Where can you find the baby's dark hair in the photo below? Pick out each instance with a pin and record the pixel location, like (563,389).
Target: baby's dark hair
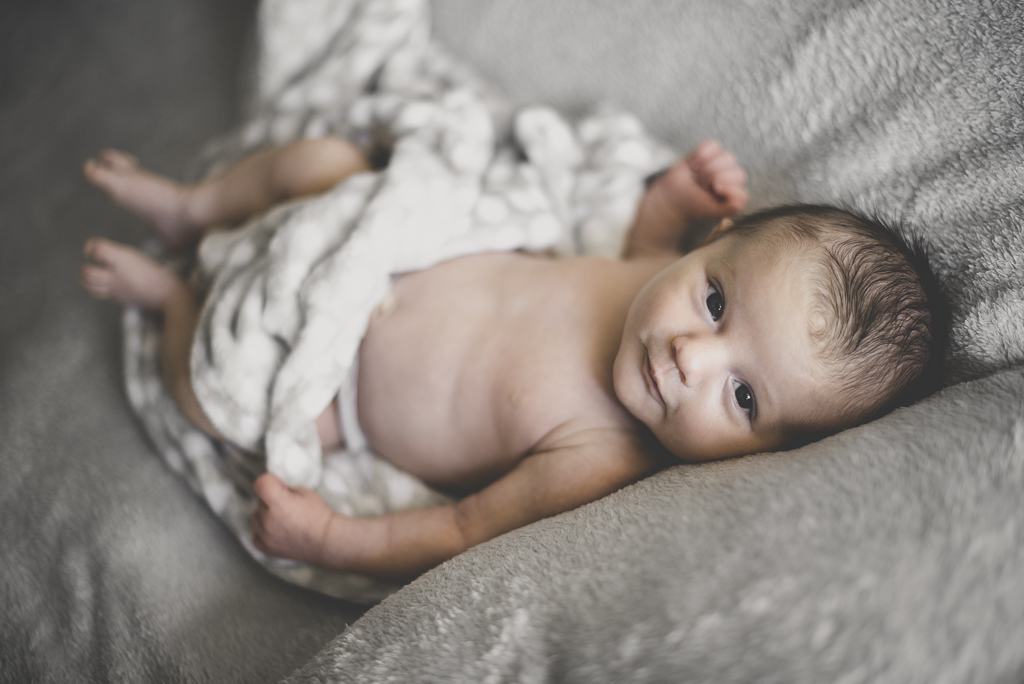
(880,318)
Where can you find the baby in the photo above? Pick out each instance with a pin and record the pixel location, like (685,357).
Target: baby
(534,385)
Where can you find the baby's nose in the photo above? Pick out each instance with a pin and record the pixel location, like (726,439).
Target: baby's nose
(699,357)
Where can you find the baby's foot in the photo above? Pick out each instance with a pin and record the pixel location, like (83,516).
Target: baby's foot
(156,199)
(706,184)
(126,275)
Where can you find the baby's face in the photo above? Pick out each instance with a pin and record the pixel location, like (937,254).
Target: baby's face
(716,356)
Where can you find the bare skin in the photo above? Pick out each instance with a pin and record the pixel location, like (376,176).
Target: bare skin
(124,274)
(181,213)
(490,374)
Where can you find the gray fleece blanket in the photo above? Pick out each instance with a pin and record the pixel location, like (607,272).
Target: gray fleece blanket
(892,552)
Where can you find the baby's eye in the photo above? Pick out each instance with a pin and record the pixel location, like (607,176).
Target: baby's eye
(744,397)
(716,305)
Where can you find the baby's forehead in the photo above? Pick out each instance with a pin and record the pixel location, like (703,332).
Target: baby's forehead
(775,241)
(796,262)
(779,291)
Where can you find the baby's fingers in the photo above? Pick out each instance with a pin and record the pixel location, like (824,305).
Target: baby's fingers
(730,179)
(732,197)
(703,153)
(727,182)
(269,488)
(723,177)
(719,163)
(269,529)
(258,543)
(260,537)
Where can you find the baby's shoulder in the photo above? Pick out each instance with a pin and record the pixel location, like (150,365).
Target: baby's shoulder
(619,452)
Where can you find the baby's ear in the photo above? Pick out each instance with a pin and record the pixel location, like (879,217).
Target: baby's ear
(718,231)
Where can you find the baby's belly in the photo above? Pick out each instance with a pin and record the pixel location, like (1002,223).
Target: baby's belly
(433,371)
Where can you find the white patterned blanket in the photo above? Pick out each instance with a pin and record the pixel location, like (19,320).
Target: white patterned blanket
(291,292)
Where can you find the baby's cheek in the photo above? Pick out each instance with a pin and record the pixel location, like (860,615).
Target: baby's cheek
(673,435)
(620,377)
(695,438)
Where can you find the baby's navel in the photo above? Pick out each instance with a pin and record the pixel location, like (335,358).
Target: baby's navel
(387,305)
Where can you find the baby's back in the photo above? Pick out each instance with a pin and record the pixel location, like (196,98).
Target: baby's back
(475,363)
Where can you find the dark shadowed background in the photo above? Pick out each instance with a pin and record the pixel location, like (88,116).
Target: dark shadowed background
(158,78)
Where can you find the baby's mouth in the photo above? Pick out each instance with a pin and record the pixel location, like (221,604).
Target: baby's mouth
(652,382)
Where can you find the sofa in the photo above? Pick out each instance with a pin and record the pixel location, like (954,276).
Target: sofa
(891,552)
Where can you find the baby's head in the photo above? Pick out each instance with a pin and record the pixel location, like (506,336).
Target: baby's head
(790,324)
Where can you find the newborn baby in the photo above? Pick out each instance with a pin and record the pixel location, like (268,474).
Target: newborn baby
(533,385)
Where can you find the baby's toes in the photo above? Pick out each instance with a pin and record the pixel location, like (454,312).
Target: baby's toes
(89,248)
(117,160)
(97,280)
(99,250)
(94,172)
(103,176)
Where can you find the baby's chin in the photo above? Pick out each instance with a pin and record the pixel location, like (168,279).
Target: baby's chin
(621,384)
(632,394)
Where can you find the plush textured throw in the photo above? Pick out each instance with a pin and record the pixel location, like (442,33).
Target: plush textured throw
(890,553)
(291,292)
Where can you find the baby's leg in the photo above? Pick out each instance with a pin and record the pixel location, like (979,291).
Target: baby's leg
(180,212)
(128,276)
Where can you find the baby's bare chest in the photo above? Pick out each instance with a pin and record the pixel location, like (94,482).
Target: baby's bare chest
(468,366)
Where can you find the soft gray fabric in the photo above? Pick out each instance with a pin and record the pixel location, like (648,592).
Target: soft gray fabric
(891,552)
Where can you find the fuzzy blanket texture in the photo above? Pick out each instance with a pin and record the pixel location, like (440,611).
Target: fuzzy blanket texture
(290,293)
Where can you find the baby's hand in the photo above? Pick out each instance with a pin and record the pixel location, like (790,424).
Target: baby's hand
(291,523)
(708,183)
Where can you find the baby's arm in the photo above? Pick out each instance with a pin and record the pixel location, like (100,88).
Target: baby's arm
(706,184)
(298,524)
